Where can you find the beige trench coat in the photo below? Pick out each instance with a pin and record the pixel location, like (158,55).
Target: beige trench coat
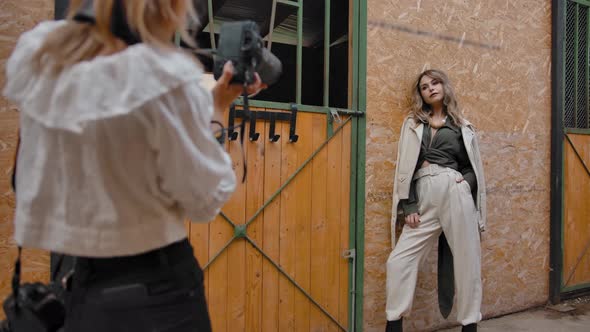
(407,158)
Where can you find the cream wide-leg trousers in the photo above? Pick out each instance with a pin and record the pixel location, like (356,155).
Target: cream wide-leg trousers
(444,206)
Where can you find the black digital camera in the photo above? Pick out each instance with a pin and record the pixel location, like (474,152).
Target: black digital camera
(37,307)
(240,43)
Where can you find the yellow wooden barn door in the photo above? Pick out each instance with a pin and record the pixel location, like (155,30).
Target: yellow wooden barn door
(573,136)
(273,258)
(576,221)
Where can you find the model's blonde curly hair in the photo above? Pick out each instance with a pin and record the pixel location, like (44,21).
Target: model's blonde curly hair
(421,111)
(75,42)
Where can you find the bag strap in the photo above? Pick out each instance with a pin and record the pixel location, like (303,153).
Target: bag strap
(17,264)
(16,276)
(13,176)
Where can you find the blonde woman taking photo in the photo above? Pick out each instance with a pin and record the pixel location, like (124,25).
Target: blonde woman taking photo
(439,189)
(116,150)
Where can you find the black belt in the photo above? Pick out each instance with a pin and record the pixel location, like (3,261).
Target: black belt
(171,255)
(132,280)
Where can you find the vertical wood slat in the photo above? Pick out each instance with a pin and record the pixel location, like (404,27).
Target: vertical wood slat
(318,320)
(236,210)
(576,212)
(199,238)
(334,209)
(271,230)
(287,227)
(224,286)
(343,265)
(220,232)
(302,231)
(254,199)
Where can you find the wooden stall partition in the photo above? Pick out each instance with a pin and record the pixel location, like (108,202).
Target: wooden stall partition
(284,232)
(576,222)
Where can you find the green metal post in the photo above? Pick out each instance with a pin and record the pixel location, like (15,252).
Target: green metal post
(557,104)
(587,60)
(581,2)
(271,28)
(330,120)
(288,2)
(361,154)
(177,39)
(211,23)
(576,63)
(358,155)
(299,51)
(327,53)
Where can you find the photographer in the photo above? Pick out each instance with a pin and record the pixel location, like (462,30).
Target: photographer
(116,150)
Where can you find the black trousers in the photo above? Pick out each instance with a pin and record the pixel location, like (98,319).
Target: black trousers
(159,291)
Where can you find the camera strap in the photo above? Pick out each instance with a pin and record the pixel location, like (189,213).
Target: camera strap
(16,276)
(247,116)
(17,264)
(221,135)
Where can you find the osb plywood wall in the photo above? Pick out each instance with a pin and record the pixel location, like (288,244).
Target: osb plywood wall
(16,17)
(497,53)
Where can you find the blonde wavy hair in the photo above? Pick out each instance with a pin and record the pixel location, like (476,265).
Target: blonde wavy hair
(421,111)
(75,42)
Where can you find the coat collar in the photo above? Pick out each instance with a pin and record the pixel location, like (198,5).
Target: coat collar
(468,133)
(419,129)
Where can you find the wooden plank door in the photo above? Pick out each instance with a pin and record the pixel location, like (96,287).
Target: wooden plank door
(576,222)
(273,258)
(570,178)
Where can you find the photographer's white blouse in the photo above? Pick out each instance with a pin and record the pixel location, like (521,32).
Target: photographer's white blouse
(115,152)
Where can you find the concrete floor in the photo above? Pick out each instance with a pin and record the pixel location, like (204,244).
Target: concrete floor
(575,319)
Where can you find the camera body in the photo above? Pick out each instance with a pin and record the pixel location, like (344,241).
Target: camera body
(240,42)
(36,308)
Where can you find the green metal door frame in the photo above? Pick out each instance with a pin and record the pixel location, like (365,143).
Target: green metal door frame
(558,289)
(358,154)
(358,147)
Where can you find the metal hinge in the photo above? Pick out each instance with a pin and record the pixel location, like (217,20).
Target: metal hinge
(349,254)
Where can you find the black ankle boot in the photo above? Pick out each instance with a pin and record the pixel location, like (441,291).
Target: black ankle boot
(469,328)
(394,326)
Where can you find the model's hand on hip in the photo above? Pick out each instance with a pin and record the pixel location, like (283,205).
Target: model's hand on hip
(413,220)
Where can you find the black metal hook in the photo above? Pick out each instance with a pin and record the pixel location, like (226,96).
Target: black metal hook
(231,134)
(253,134)
(271,135)
(293,124)
(272,117)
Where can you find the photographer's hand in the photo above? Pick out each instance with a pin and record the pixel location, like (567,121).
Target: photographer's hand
(225,93)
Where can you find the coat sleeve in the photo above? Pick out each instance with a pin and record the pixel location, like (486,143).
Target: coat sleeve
(395,196)
(194,169)
(400,146)
(481,183)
